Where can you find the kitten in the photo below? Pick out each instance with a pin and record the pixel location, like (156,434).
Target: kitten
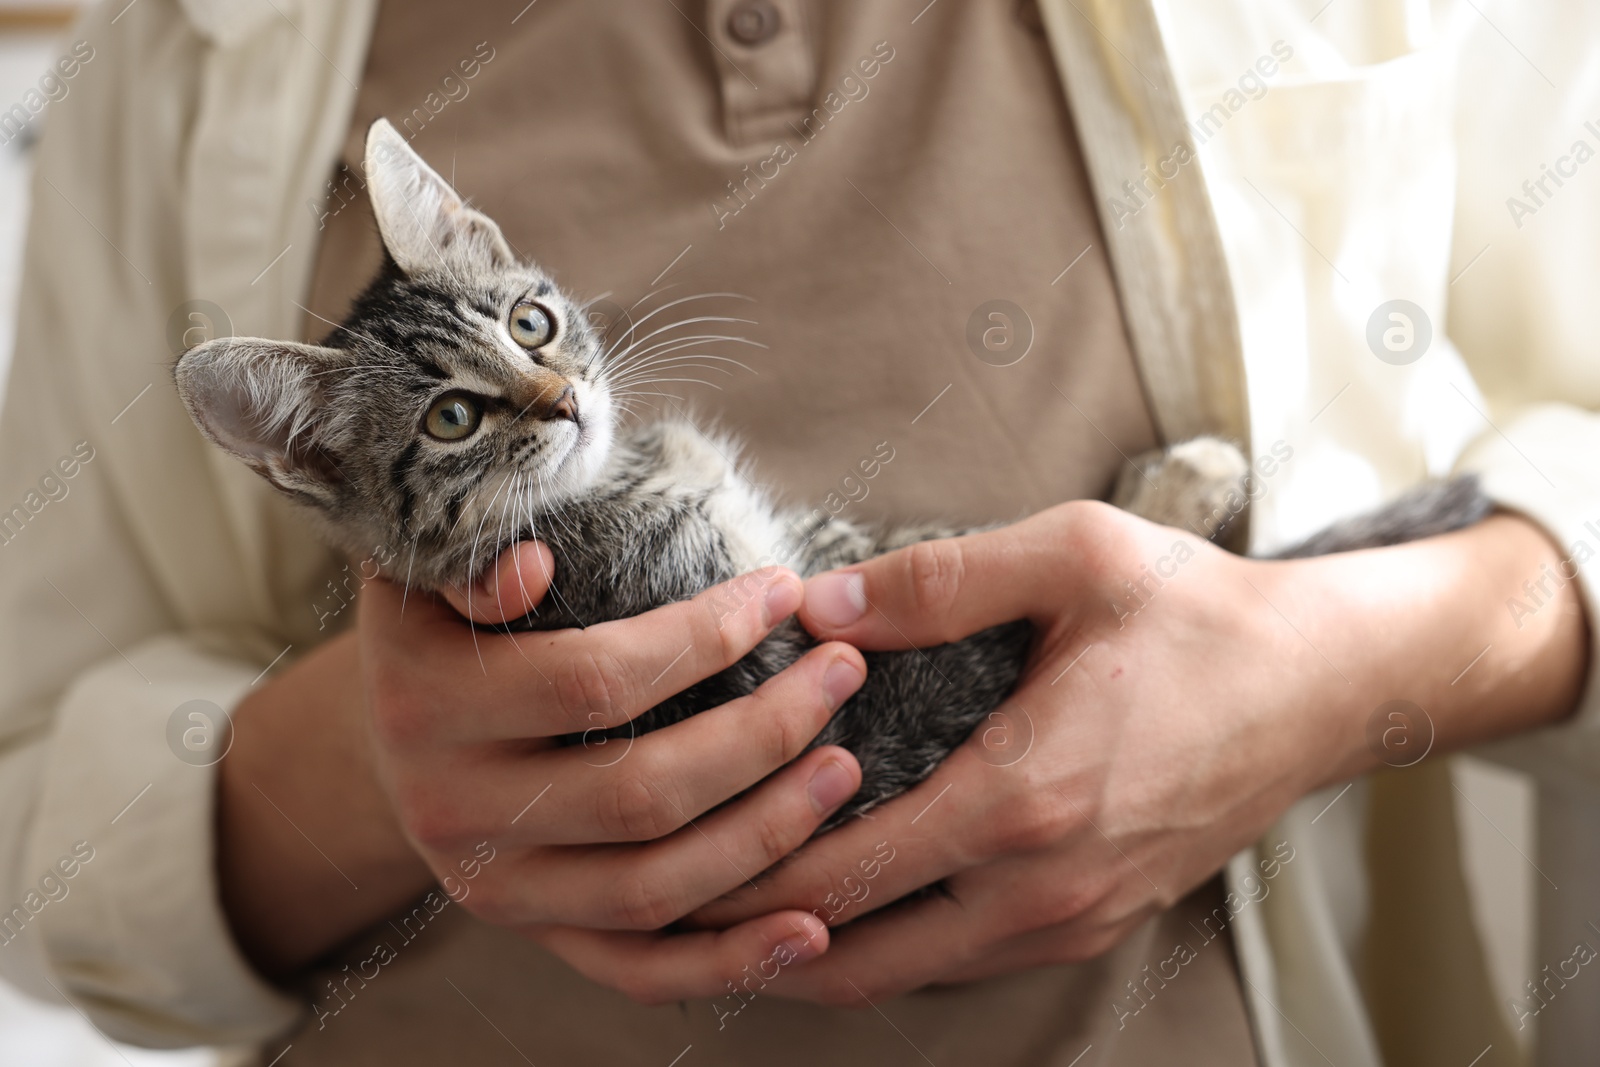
(466,402)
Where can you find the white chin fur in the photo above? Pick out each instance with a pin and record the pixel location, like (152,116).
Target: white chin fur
(580,466)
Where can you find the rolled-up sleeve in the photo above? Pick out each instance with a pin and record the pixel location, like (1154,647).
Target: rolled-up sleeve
(1526,261)
(1542,464)
(140,940)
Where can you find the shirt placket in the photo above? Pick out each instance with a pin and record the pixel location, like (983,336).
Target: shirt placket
(765,63)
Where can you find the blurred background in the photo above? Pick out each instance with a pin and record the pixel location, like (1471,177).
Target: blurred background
(1495,806)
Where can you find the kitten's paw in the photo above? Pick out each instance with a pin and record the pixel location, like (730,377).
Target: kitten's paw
(1186,485)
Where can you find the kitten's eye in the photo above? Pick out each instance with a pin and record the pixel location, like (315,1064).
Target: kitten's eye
(452,417)
(530,326)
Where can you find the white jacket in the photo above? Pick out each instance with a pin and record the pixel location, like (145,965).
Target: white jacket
(1289,167)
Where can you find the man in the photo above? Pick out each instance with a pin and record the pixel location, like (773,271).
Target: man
(1205,233)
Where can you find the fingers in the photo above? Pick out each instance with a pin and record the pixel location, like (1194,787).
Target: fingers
(935,940)
(510,589)
(645,887)
(440,680)
(935,592)
(912,841)
(610,673)
(895,952)
(661,968)
(1024,910)
(940,940)
(643,788)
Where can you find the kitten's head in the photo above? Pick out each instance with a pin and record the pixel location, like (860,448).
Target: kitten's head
(463,391)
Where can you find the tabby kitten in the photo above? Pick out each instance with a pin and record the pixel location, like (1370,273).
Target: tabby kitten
(466,403)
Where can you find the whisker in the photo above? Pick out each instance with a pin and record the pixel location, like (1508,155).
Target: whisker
(650,378)
(672,344)
(600,351)
(630,336)
(405,590)
(674,303)
(548,510)
(648,392)
(348,330)
(473,557)
(664,359)
(661,381)
(624,353)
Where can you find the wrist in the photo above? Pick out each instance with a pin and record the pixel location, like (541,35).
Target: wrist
(1427,624)
(301,819)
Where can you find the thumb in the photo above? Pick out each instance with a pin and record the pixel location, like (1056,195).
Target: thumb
(510,589)
(933,592)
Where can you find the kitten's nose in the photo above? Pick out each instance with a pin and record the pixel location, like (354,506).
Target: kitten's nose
(564,406)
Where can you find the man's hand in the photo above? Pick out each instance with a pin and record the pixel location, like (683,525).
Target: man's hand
(458,761)
(1160,727)
(612,834)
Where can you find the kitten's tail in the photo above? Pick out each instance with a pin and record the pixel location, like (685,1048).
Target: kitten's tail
(1429,509)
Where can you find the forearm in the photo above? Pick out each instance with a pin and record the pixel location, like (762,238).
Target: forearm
(1429,623)
(309,850)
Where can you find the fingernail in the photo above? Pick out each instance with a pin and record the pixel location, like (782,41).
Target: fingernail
(489,584)
(509,565)
(837,600)
(831,786)
(782,600)
(796,949)
(839,681)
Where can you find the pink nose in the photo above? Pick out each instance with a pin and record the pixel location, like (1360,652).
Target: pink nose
(565,406)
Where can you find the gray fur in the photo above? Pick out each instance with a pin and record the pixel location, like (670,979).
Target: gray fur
(635,518)
(1430,509)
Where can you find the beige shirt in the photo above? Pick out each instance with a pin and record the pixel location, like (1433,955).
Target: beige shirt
(1377,162)
(873,214)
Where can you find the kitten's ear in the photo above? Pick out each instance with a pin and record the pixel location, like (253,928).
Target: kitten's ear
(264,402)
(423,221)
